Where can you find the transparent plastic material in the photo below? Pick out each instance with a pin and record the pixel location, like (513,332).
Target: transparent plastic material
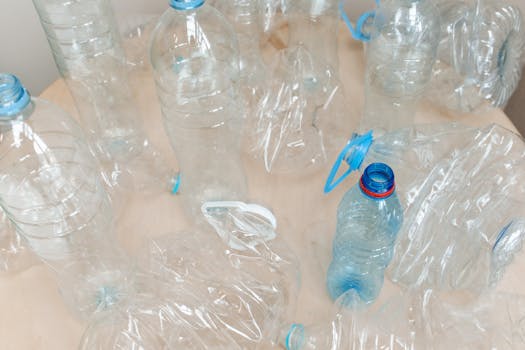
(230,287)
(420,320)
(462,193)
(195,60)
(50,188)
(85,43)
(301,117)
(480,56)
(15,255)
(244,17)
(314,24)
(368,219)
(273,13)
(399,60)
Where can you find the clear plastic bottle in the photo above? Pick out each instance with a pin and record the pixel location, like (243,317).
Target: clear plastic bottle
(50,188)
(195,60)
(368,220)
(399,60)
(244,17)
(314,24)
(86,45)
(480,56)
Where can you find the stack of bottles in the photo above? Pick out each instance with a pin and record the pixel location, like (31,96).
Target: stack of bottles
(432,212)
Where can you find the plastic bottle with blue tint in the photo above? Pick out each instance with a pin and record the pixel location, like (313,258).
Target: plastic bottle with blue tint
(195,60)
(51,189)
(368,219)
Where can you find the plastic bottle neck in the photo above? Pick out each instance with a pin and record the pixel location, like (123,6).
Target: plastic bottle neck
(182,5)
(377,181)
(13,96)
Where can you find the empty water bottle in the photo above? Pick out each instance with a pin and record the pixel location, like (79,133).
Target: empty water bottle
(195,60)
(51,190)
(368,220)
(480,55)
(399,60)
(86,45)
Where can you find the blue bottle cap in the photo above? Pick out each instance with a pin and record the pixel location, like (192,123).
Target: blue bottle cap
(377,181)
(353,154)
(186,4)
(13,96)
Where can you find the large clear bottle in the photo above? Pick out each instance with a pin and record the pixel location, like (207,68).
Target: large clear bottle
(196,66)
(480,55)
(399,60)
(88,52)
(50,188)
(368,219)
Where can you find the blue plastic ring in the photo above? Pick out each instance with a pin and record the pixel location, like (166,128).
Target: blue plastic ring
(186,4)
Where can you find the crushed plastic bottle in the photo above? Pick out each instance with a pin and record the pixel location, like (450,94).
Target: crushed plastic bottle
(301,117)
(417,320)
(399,59)
(195,60)
(228,286)
(452,238)
(480,56)
(368,219)
(50,188)
(88,52)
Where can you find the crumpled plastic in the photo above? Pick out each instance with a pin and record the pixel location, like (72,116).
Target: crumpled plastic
(420,320)
(465,220)
(481,54)
(462,190)
(226,287)
(301,115)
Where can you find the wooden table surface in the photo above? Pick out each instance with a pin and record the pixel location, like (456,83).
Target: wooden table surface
(33,315)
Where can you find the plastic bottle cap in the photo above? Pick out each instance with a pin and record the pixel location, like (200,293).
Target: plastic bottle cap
(13,96)
(353,154)
(186,4)
(377,181)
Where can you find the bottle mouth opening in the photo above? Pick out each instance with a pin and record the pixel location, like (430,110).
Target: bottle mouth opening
(13,96)
(377,181)
(186,4)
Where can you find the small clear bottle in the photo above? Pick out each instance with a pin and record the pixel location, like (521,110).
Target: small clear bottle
(368,219)
(196,67)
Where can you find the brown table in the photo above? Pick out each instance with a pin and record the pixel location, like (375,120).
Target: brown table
(33,315)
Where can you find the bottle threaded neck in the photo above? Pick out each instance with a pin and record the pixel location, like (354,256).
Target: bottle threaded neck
(377,181)
(13,96)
